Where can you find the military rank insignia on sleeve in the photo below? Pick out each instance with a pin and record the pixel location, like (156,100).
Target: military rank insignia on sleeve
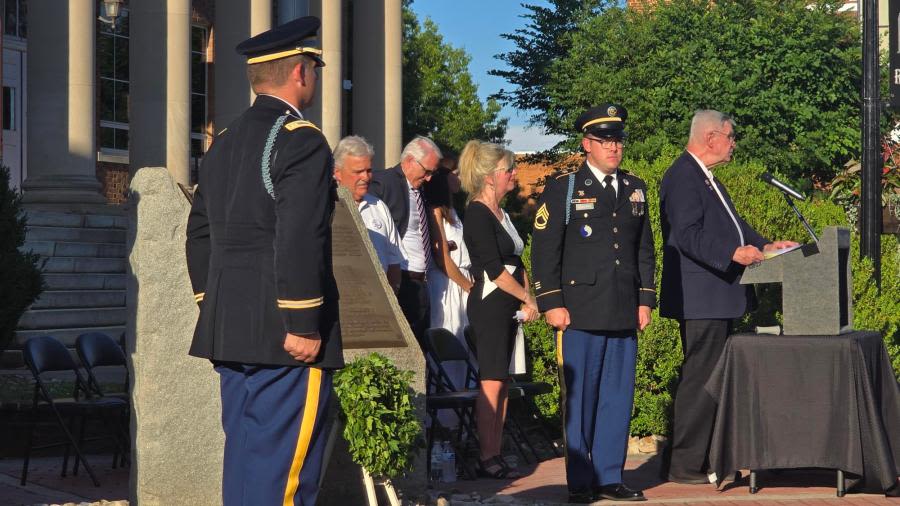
(540,219)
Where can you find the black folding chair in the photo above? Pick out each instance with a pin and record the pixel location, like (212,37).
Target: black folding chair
(526,392)
(46,354)
(96,349)
(442,346)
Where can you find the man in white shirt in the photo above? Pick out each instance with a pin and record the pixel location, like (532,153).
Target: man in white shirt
(400,188)
(706,247)
(353,170)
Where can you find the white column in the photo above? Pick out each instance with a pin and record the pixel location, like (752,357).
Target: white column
(160,70)
(61,129)
(377,77)
(236,21)
(326,109)
(393,81)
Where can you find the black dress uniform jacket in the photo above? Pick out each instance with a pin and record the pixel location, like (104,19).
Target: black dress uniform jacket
(391,187)
(699,280)
(261,267)
(600,266)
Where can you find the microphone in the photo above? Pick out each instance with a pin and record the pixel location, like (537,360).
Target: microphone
(769,178)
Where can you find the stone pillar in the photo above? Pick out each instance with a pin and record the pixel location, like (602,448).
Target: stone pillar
(176,429)
(377,77)
(326,109)
(160,70)
(236,21)
(61,132)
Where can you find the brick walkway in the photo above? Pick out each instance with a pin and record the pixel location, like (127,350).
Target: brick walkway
(543,484)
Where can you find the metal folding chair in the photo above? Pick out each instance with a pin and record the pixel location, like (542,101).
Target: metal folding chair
(46,354)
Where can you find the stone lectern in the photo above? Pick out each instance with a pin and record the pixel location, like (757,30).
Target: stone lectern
(816,284)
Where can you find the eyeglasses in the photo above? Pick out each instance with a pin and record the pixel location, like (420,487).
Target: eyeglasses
(608,143)
(428,172)
(732,137)
(508,170)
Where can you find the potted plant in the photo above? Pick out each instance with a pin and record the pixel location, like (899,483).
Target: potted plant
(380,422)
(845,187)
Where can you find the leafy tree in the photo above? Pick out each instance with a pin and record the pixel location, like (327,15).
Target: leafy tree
(20,273)
(440,98)
(540,43)
(787,71)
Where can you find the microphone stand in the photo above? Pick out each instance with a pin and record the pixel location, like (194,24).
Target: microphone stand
(809,229)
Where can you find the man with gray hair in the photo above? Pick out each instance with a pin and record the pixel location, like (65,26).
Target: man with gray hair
(353,170)
(400,187)
(706,246)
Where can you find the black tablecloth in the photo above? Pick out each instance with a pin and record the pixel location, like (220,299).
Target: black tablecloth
(807,401)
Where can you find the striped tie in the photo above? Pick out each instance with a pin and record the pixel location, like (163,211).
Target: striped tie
(423,227)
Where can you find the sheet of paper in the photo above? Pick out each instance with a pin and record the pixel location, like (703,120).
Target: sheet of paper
(775,252)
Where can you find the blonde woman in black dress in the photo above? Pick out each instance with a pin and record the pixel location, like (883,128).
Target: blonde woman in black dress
(488,172)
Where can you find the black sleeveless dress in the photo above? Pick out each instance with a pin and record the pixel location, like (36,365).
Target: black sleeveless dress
(491,317)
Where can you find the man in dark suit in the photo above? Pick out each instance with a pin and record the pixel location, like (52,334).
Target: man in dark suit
(706,247)
(259,257)
(593,264)
(400,188)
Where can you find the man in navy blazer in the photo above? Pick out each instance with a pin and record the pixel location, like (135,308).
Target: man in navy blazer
(400,188)
(706,246)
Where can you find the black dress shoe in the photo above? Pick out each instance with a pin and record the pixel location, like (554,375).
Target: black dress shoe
(620,492)
(689,478)
(581,497)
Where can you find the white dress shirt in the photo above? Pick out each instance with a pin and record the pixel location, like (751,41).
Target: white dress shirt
(413,246)
(382,232)
(712,182)
(601,176)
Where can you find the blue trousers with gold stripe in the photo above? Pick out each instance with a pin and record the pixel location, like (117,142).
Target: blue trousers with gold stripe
(273,419)
(598,372)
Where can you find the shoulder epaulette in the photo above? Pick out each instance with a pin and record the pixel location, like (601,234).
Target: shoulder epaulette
(300,123)
(565,173)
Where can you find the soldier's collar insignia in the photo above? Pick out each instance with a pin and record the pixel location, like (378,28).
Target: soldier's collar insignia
(588,182)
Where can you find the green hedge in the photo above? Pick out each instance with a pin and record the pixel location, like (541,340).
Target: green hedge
(659,351)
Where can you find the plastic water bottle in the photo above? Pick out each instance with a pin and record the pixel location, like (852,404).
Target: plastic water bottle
(437,463)
(449,458)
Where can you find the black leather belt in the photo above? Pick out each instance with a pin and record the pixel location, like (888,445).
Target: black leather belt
(417,276)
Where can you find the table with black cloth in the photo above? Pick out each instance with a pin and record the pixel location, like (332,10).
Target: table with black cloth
(787,402)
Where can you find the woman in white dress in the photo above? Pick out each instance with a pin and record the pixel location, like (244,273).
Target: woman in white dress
(449,280)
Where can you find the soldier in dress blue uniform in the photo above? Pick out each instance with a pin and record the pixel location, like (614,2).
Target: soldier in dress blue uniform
(593,262)
(259,258)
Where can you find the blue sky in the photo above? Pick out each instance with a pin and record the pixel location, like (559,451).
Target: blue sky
(476,25)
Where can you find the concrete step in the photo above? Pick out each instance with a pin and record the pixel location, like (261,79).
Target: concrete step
(75,249)
(67,336)
(104,235)
(94,281)
(57,219)
(59,299)
(58,264)
(72,317)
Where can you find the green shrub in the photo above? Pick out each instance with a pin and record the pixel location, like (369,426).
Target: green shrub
(659,349)
(21,281)
(381,426)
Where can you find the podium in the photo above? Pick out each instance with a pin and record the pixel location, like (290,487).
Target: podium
(816,284)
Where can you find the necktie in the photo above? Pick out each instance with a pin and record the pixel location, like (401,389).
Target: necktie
(423,227)
(608,188)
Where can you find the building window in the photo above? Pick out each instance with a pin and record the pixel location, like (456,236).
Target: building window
(14,15)
(9,111)
(112,63)
(198,91)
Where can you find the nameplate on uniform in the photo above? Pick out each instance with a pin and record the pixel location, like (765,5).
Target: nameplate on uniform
(584,204)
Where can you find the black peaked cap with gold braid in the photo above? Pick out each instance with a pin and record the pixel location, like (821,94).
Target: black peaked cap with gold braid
(604,121)
(292,38)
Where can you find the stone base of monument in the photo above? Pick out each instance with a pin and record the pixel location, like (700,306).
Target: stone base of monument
(177,438)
